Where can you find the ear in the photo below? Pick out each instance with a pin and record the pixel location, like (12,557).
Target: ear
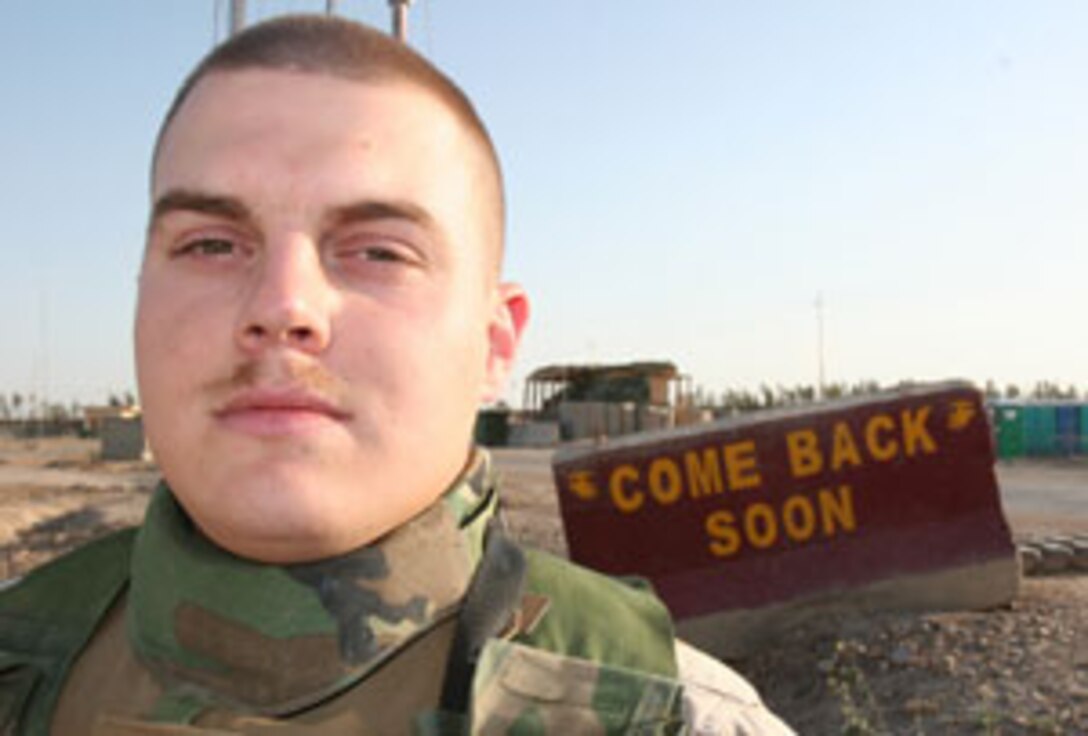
(509,315)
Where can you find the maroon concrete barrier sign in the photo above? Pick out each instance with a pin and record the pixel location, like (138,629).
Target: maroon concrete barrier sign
(751,512)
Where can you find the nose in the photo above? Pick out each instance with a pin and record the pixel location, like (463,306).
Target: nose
(287,304)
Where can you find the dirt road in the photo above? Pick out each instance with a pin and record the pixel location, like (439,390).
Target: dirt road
(1045,496)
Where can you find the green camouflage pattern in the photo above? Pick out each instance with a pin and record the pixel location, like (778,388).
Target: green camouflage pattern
(243,647)
(45,620)
(531,692)
(599,618)
(272,639)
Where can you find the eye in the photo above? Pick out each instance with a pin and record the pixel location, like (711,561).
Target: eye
(207,248)
(382,252)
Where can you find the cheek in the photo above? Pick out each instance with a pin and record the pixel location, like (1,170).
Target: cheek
(176,335)
(152,338)
(432,352)
(457,362)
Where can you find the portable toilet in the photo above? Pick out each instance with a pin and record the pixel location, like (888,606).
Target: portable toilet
(1040,433)
(1008,422)
(1082,443)
(1067,428)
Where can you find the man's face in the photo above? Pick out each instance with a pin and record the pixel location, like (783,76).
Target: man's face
(318,312)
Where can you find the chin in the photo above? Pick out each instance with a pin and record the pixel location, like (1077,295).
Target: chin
(300,537)
(275,516)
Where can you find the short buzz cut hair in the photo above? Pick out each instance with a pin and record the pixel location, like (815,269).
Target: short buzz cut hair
(319,44)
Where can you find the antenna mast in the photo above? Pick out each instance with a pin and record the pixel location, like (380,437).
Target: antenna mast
(237,16)
(821,384)
(399,10)
(400,18)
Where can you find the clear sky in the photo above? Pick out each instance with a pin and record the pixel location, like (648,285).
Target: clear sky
(684,179)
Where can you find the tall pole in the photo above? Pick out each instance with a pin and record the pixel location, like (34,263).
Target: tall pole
(330,7)
(400,18)
(237,16)
(820,344)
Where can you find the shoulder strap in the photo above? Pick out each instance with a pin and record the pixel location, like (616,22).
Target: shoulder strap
(45,621)
(493,595)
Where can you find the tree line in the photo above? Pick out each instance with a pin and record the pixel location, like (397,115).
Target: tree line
(767,396)
(17,406)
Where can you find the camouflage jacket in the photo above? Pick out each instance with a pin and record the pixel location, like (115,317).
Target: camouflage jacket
(423,632)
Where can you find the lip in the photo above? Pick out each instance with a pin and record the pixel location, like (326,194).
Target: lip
(271,412)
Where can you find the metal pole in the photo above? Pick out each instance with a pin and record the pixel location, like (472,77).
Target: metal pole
(400,18)
(330,7)
(237,16)
(820,344)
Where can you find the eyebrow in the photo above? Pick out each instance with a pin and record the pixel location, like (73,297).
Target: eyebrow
(370,210)
(232,208)
(188,200)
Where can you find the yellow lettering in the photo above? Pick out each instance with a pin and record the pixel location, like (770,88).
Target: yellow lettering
(725,540)
(882,451)
(804,452)
(665,482)
(843,449)
(837,508)
(704,473)
(740,465)
(760,526)
(915,433)
(627,500)
(799,518)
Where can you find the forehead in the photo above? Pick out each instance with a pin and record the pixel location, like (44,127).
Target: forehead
(284,112)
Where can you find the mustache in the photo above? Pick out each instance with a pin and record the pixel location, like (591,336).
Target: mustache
(309,377)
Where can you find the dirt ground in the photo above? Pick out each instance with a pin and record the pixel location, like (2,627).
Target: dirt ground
(1022,669)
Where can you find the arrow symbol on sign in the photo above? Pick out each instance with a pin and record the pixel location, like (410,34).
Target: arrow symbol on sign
(962,413)
(581,485)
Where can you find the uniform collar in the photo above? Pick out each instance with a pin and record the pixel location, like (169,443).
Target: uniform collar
(274,639)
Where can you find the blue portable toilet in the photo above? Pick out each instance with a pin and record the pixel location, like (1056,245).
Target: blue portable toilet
(1067,428)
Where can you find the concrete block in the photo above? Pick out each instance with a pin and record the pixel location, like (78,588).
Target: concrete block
(740,632)
(1057,557)
(534,434)
(1080,554)
(1031,559)
(123,439)
(889,501)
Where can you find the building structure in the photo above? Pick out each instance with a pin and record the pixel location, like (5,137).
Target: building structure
(596,401)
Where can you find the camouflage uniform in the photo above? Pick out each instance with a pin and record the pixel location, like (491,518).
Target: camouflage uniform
(164,633)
